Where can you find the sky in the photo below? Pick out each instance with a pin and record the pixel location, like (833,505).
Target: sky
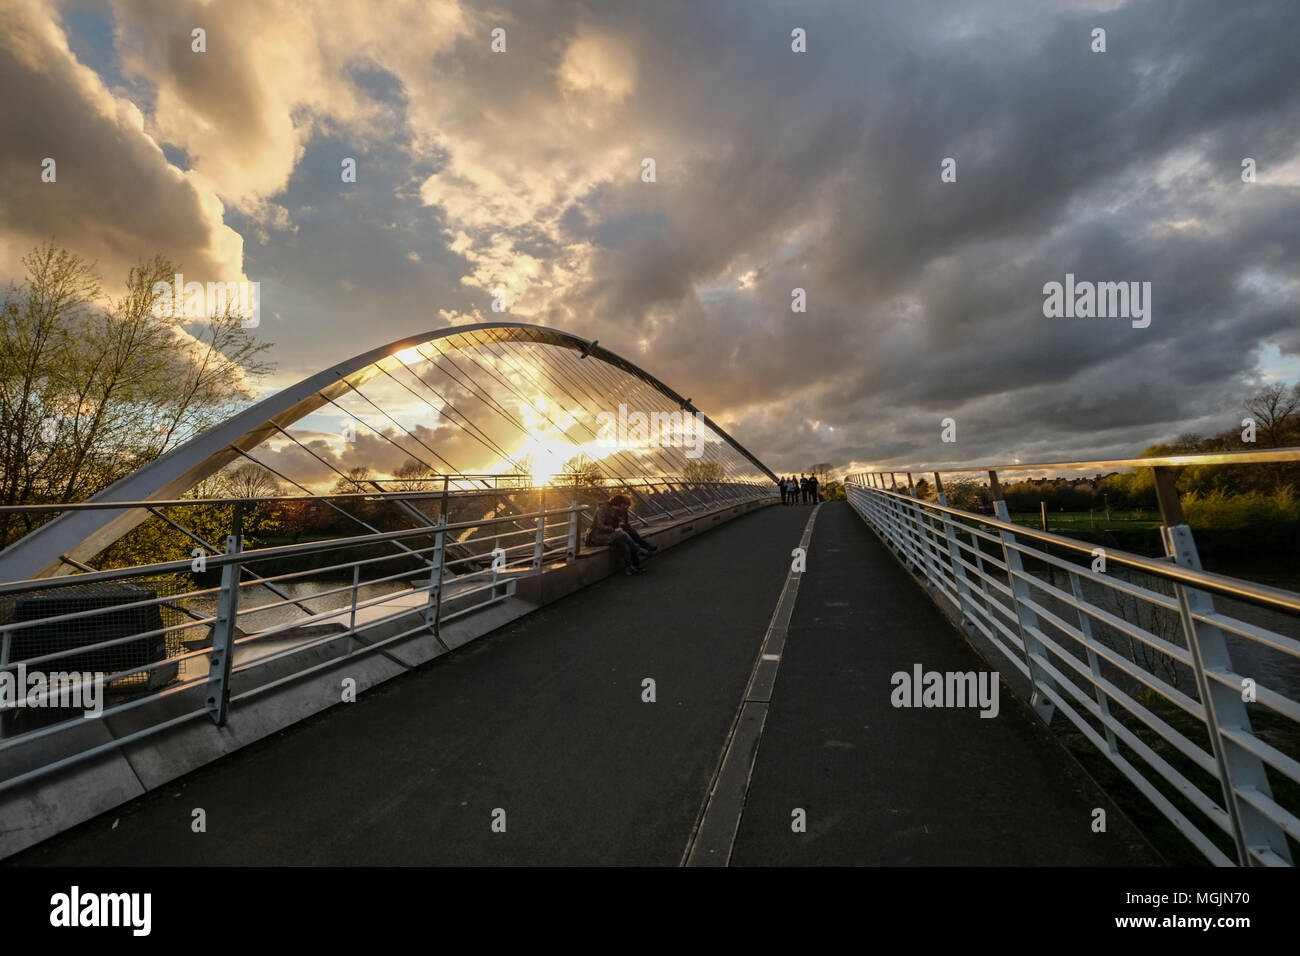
(775,169)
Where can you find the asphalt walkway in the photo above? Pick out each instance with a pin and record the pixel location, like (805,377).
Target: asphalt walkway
(895,786)
(545,720)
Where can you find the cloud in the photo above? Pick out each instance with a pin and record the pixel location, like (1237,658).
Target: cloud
(597,66)
(116,199)
(271,75)
(521,171)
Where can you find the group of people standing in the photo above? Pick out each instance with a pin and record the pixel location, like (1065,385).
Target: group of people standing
(805,490)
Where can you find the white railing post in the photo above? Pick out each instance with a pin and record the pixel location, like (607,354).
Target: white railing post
(900,526)
(887,516)
(223,637)
(880,510)
(496,574)
(1253,832)
(965,601)
(923,531)
(571,548)
(539,547)
(1085,628)
(862,496)
(1026,619)
(352,618)
(981,573)
(876,503)
(433,609)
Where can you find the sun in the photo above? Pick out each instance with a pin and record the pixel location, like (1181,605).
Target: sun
(549,456)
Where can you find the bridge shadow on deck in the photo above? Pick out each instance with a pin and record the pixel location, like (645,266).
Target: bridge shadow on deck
(544,719)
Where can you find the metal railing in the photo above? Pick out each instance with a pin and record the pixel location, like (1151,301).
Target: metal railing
(152,631)
(1130,649)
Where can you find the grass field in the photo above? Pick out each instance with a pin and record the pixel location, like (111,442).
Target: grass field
(1066,521)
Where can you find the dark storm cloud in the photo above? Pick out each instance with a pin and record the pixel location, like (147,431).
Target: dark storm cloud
(1115,166)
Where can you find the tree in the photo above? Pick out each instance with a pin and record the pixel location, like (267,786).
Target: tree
(91,389)
(305,516)
(967,495)
(154,541)
(413,475)
(701,470)
(251,480)
(581,470)
(357,480)
(38,328)
(1274,409)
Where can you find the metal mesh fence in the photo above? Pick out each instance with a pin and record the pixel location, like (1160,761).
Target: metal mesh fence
(95,629)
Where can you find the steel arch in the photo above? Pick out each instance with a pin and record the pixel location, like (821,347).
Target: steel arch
(79,535)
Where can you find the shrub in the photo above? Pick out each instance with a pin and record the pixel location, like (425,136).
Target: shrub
(1253,511)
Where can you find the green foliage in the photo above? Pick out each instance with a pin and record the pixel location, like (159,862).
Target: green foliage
(92,388)
(1131,489)
(1024,496)
(1222,496)
(155,541)
(1253,511)
(968,495)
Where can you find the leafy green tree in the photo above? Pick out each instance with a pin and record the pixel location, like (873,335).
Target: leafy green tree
(156,541)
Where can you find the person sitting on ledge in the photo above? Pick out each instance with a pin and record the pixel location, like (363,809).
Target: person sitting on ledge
(611,527)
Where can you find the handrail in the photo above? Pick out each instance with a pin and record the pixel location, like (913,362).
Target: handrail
(1163,567)
(438,595)
(1074,644)
(1160,461)
(292,550)
(262,554)
(364,495)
